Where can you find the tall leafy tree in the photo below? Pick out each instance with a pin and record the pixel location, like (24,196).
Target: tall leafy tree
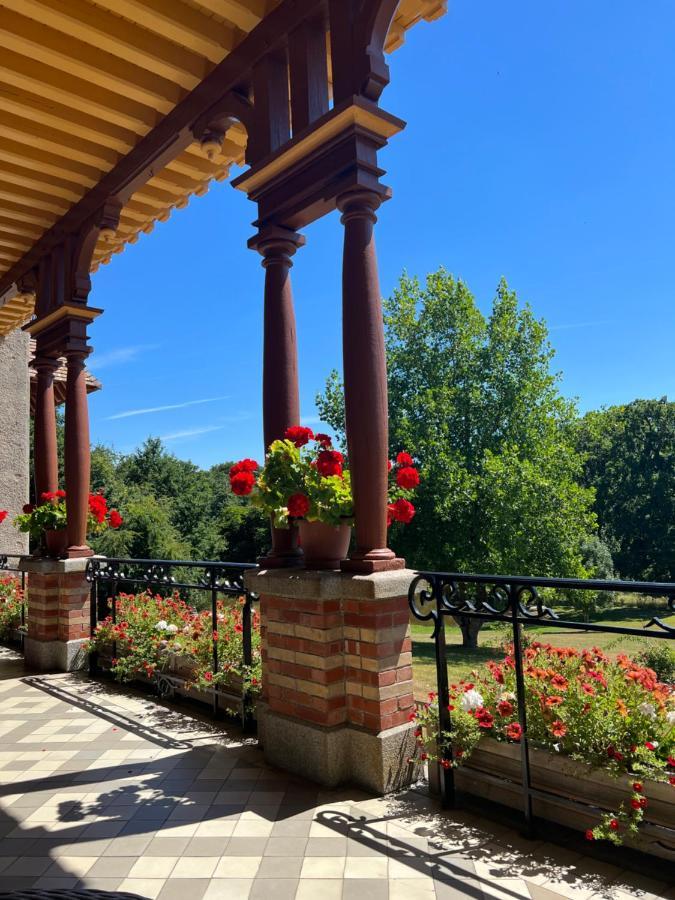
(475,400)
(629,454)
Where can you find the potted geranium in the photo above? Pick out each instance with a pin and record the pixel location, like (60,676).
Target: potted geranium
(304,482)
(46,521)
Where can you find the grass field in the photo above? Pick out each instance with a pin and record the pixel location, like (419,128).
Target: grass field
(634,613)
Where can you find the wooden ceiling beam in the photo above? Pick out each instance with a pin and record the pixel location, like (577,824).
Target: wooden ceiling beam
(26,132)
(244,15)
(55,84)
(12,242)
(33,200)
(30,232)
(19,213)
(48,162)
(99,131)
(30,178)
(28,38)
(182,24)
(92,24)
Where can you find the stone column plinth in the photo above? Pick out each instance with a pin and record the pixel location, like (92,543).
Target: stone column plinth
(337,675)
(58,615)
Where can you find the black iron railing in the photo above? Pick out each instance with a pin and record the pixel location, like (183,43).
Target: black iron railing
(9,562)
(207,581)
(516,601)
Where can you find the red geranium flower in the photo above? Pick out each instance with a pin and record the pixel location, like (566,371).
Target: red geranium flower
(59,493)
(505,708)
(244,465)
(298,506)
(404,459)
(323,439)
(407,478)
(514,732)
(115,519)
(589,835)
(650,746)
(403,511)
(614,825)
(299,435)
(637,787)
(47,496)
(671,762)
(242,483)
(329,462)
(635,803)
(3,515)
(28,508)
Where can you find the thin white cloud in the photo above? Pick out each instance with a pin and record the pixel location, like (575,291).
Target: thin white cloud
(311,420)
(155,409)
(190,432)
(580,325)
(119,355)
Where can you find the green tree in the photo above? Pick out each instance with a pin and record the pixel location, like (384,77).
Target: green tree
(475,401)
(629,454)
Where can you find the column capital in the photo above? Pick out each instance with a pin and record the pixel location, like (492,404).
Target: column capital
(45,364)
(359,204)
(276,244)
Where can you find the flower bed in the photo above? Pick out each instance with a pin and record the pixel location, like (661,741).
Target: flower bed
(155,636)
(12,601)
(600,723)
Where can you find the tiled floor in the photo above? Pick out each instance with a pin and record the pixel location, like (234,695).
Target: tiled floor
(103,788)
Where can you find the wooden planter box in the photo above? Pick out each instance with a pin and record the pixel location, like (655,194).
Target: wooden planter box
(584,793)
(179,672)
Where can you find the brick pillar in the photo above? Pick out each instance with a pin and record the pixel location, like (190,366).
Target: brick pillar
(337,675)
(58,616)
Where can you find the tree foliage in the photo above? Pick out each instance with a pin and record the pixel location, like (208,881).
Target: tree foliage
(474,399)
(629,454)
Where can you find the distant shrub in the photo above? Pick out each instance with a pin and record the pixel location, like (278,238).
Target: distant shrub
(660,658)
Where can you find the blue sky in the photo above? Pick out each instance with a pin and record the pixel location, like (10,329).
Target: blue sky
(540,146)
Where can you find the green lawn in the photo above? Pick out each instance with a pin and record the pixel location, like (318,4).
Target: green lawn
(462,661)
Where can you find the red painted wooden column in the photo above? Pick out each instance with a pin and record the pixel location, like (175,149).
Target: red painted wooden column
(77,453)
(365,378)
(281,400)
(44,438)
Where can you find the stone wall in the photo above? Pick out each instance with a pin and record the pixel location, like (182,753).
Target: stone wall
(14,450)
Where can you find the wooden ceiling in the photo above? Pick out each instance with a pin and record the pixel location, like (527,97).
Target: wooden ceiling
(82,81)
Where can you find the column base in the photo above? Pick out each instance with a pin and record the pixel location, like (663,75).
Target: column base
(368,565)
(54,656)
(281,562)
(340,755)
(78,552)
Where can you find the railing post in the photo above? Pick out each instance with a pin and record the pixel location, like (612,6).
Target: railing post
(522,712)
(247,648)
(446,775)
(214,633)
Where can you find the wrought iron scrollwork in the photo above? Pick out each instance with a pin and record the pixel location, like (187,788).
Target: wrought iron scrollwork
(165,686)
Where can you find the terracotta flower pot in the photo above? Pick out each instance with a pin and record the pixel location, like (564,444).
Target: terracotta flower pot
(324,546)
(56,541)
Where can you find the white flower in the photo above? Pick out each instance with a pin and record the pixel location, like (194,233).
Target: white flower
(471,700)
(648,709)
(177,646)
(161,626)
(172,629)
(670,717)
